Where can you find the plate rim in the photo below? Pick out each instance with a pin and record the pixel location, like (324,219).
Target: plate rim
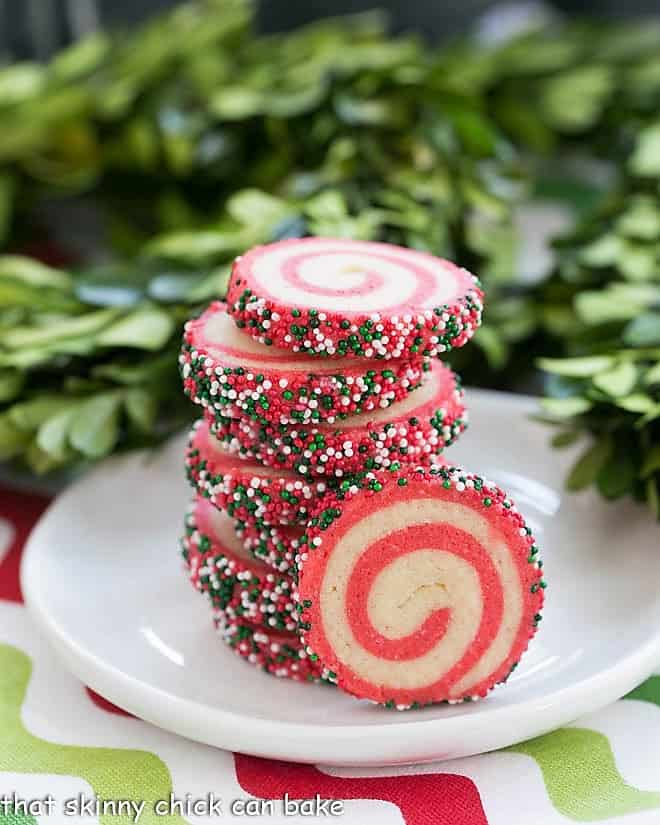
(308,742)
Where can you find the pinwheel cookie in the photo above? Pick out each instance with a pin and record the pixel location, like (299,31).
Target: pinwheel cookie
(329,296)
(228,373)
(280,654)
(420,587)
(248,491)
(220,566)
(411,432)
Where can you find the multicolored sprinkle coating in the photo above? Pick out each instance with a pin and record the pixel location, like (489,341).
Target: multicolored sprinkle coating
(419,586)
(411,432)
(280,654)
(328,297)
(276,547)
(248,491)
(228,373)
(220,567)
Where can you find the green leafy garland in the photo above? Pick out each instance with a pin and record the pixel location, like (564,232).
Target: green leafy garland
(192,139)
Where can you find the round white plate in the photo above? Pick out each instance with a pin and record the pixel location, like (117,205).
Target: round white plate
(103,578)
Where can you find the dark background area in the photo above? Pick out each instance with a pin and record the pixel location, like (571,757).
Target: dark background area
(36,28)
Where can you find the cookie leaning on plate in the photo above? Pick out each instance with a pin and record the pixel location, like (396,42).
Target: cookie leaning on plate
(420,587)
(329,296)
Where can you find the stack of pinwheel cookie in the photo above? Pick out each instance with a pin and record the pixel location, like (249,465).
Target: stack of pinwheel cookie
(333,540)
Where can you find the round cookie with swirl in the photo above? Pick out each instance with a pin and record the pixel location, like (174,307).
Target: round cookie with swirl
(332,296)
(224,569)
(247,490)
(229,374)
(411,432)
(421,587)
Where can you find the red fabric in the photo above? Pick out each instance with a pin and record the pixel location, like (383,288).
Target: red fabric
(21,510)
(104,704)
(425,799)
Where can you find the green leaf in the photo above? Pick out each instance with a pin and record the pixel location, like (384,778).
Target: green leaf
(573,100)
(52,435)
(13,439)
(603,307)
(95,426)
(617,476)
(7,191)
(653,496)
(489,339)
(652,376)
(146,328)
(196,246)
(605,251)
(27,358)
(83,57)
(618,381)
(589,464)
(637,263)
(643,331)
(50,334)
(41,462)
(645,160)
(141,408)
(651,461)
(212,286)
(112,285)
(15,295)
(237,103)
(11,384)
(29,415)
(20,82)
(576,367)
(641,219)
(566,438)
(566,407)
(636,403)
(32,272)
(252,206)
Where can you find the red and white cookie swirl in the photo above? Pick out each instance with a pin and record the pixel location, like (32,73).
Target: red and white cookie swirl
(332,296)
(410,432)
(280,654)
(248,491)
(229,373)
(422,587)
(220,566)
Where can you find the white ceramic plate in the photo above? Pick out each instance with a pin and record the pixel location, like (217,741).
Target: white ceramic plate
(103,578)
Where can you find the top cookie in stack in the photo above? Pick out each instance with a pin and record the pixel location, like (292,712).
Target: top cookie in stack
(330,297)
(312,364)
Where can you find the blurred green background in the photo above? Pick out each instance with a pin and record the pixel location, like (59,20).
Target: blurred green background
(135,162)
